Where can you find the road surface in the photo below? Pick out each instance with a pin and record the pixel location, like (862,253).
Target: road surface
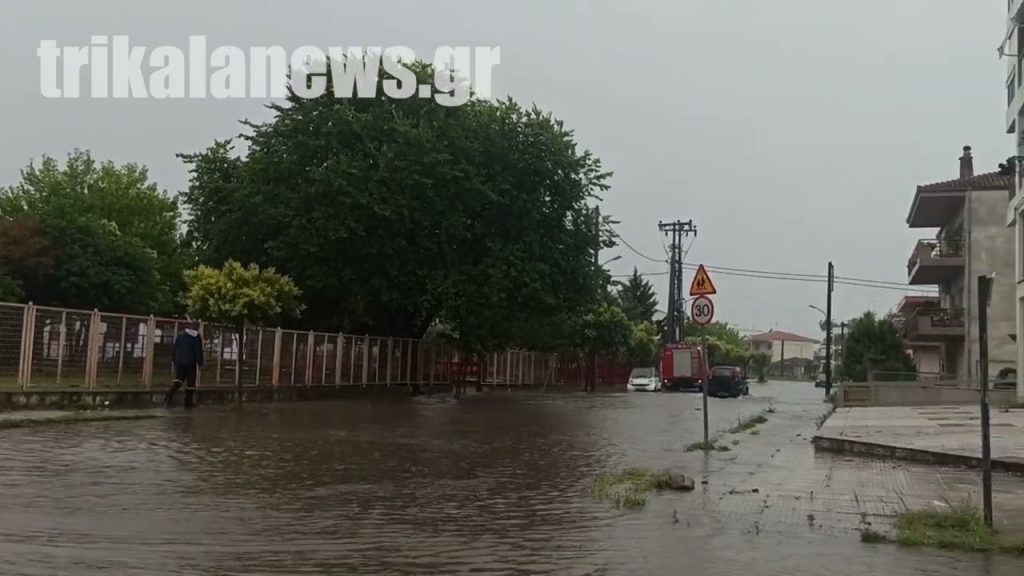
(497,483)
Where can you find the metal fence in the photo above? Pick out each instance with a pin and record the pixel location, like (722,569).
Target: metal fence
(57,348)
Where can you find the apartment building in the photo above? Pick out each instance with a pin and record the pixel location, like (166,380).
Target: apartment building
(1013,50)
(971,238)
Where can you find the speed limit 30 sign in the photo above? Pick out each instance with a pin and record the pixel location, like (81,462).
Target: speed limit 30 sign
(702,312)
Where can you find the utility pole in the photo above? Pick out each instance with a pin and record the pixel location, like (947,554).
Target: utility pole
(840,351)
(678,230)
(984,293)
(828,330)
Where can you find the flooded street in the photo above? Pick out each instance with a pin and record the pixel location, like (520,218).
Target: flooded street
(494,484)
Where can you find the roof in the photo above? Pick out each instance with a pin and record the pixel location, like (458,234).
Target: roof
(987,181)
(780,336)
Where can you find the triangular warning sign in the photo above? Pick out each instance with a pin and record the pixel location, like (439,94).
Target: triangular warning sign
(702,284)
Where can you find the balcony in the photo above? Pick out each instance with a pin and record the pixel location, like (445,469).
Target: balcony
(935,261)
(937,324)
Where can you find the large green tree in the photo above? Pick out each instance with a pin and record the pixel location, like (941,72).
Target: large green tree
(637,298)
(394,215)
(92,235)
(875,341)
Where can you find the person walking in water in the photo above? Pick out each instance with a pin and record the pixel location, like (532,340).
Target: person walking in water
(188,359)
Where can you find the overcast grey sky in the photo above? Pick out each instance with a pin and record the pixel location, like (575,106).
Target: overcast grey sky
(791,131)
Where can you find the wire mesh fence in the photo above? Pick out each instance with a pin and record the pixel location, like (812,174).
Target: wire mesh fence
(55,348)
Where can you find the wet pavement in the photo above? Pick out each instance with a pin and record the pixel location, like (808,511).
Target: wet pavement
(495,484)
(942,429)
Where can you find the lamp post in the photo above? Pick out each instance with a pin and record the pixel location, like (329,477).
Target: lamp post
(610,261)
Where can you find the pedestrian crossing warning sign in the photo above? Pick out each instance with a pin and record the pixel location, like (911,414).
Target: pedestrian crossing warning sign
(702,284)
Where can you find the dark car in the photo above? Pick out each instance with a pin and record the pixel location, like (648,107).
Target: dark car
(728,382)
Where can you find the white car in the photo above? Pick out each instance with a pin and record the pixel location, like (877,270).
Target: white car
(644,380)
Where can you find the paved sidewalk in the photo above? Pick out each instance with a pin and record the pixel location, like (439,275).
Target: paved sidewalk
(931,434)
(777,482)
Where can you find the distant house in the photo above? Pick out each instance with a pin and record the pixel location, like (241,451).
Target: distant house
(779,345)
(793,356)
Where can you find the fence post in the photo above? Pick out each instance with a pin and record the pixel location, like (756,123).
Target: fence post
(295,354)
(366,359)
(352,360)
(92,351)
(337,359)
(202,336)
(239,353)
(391,355)
(310,357)
(220,352)
(120,347)
(61,340)
(25,356)
(259,355)
(147,362)
(275,376)
(323,374)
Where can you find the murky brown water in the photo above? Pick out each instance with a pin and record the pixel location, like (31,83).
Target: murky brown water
(496,484)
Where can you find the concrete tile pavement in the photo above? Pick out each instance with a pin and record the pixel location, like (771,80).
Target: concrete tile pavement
(927,433)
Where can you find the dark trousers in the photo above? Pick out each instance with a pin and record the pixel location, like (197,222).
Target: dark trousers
(184,374)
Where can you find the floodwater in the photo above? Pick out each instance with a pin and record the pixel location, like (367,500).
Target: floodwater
(494,484)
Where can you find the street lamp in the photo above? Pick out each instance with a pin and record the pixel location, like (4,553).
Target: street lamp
(813,307)
(610,261)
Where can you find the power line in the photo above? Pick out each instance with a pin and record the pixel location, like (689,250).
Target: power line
(637,252)
(806,278)
(771,274)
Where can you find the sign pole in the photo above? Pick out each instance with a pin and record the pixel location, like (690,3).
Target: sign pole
(703,313)
(984,291)
(704,400)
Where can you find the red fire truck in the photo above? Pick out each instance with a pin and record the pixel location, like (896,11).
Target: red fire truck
(683,367)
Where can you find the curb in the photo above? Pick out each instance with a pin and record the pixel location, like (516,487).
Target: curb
(888,451)
(77,418)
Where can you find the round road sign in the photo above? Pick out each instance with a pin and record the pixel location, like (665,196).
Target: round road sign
(702,312)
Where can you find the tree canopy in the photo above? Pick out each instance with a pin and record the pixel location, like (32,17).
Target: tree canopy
(878,341)
(604,330)
(637,298)
(90,234)
(725,345)
(239,296)
(393,215)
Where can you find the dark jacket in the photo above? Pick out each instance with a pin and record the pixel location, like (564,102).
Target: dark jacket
(188,349)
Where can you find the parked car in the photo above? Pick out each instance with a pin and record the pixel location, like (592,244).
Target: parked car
(728,382)
(820,381)
(644,379)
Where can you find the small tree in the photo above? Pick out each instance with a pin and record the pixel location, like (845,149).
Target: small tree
(759,362)
(642,349)
(877,340)
(239,296)
(604,330)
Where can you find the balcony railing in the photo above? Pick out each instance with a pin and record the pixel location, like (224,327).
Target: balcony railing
(937,323)
(934,250)
(945,317)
